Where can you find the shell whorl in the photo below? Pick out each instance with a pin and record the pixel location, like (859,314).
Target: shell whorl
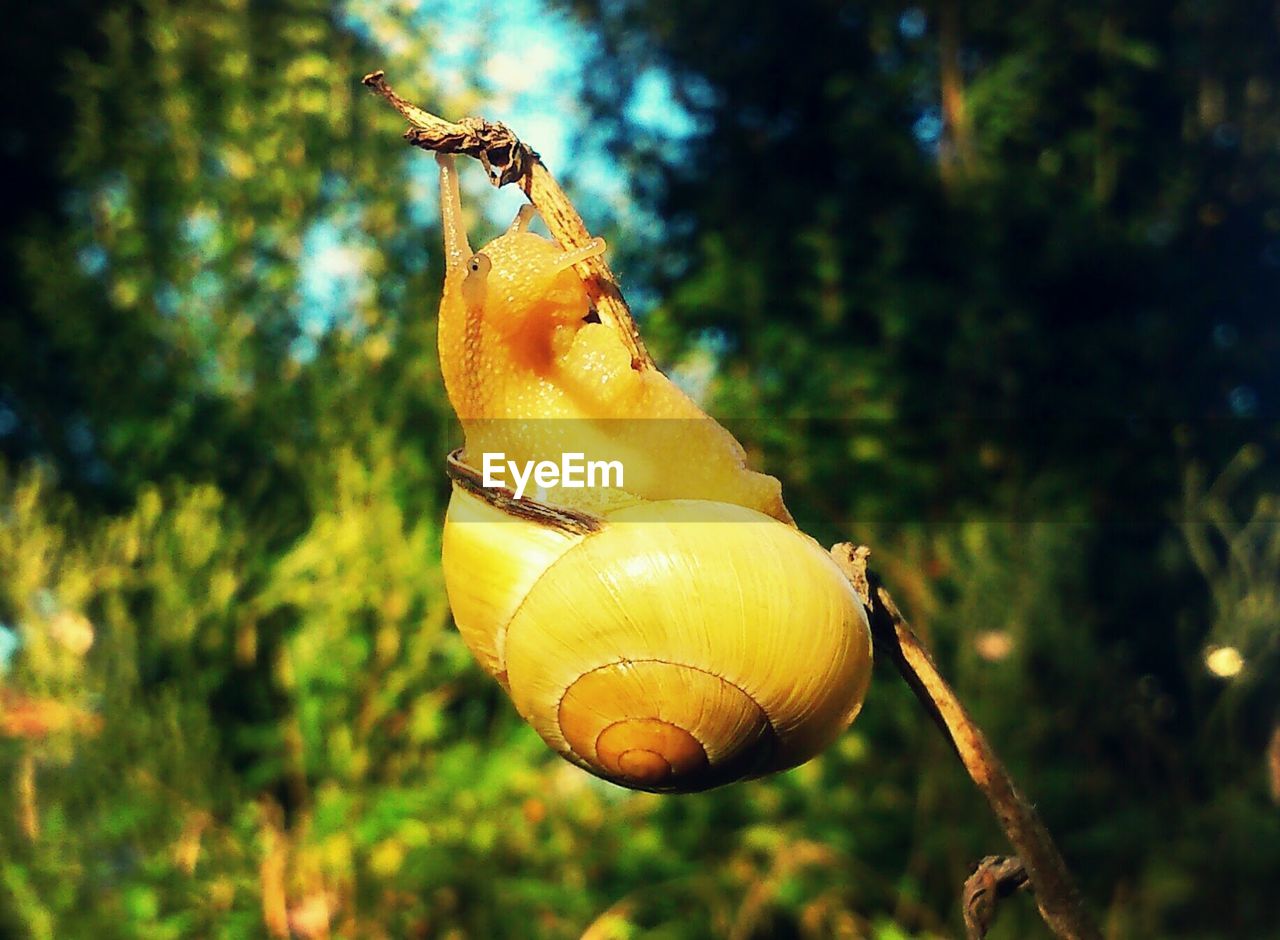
(682,645)
(662,725)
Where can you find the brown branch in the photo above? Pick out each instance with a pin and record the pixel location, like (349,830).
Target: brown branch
(957,152)
(996,877)
(1056,895)
(508,160)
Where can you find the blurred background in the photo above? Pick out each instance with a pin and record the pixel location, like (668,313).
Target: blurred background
(992,287)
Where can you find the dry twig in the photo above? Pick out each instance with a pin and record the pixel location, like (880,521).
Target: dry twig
(508,160)
(996,877)
(1056,895)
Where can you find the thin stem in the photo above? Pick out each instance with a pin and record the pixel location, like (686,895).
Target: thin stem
(1056,895)
(508,160)
(996,877)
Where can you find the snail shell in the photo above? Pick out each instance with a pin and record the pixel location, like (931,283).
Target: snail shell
(671,645)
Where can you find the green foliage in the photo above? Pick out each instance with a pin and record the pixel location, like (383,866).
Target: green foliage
(1006,340)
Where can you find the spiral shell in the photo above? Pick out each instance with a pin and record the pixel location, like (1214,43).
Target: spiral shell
(674,645)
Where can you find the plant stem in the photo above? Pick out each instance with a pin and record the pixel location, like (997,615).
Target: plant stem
(508,160)
(1056,895)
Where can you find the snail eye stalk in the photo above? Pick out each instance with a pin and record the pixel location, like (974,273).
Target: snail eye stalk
(590,250)
(522,220)
(456,245)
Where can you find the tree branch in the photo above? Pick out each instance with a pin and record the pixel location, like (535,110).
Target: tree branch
(996,877)
(508,160)
(1056,895)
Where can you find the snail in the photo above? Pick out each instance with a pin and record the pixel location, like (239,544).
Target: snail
(672,634)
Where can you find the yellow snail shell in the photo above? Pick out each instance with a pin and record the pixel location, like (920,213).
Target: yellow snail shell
(671,645)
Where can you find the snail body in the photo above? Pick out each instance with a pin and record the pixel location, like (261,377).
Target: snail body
(674,635)
(530,376)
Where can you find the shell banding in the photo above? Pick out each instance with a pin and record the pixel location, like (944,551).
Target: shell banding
(672,645)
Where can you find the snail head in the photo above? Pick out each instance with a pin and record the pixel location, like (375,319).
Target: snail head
(517,275)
